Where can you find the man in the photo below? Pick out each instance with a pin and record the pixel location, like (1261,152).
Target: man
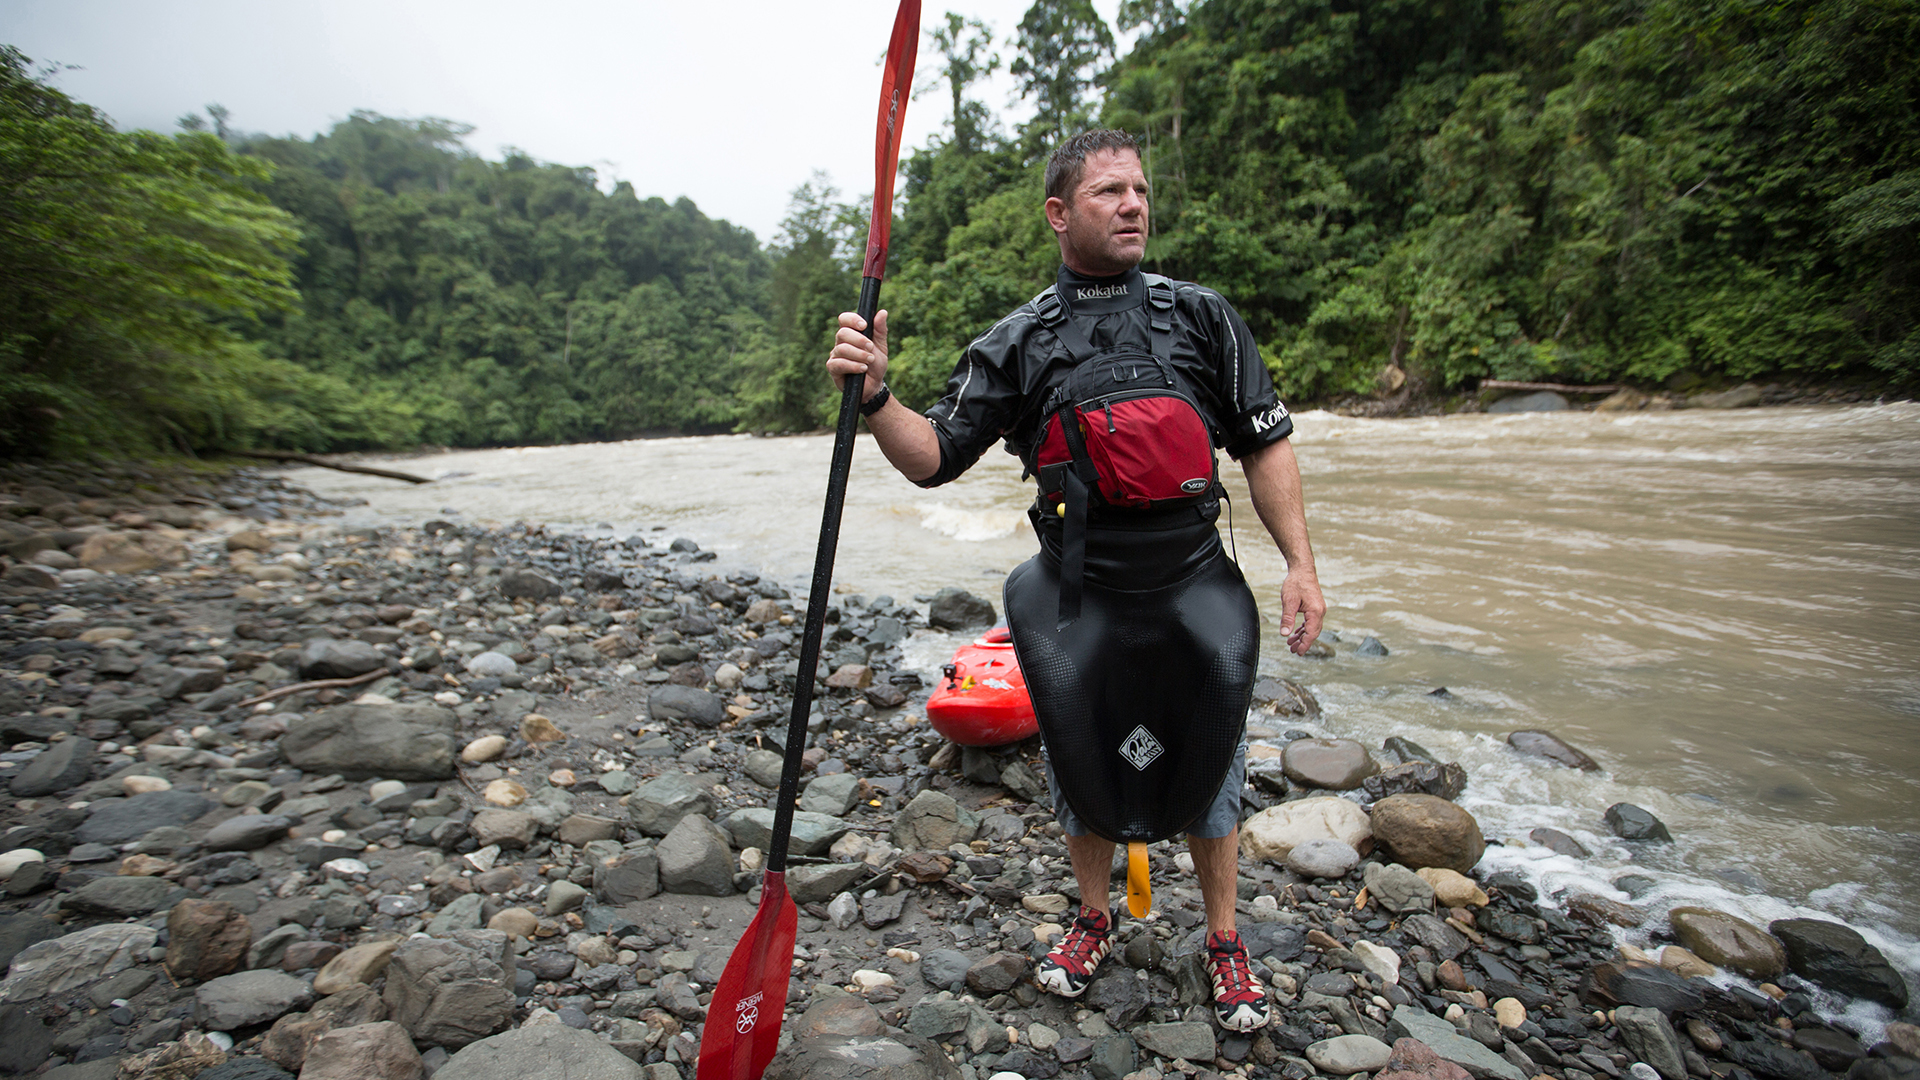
(1097,206)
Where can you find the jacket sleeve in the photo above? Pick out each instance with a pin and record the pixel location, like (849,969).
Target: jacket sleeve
(1252,414)
(982,398)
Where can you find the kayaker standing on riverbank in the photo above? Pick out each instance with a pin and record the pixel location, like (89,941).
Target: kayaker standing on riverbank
(1136,633)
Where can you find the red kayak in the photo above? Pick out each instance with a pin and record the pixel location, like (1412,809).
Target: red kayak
(984,700)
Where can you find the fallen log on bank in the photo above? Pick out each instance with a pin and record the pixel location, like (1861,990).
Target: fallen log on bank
(315,459)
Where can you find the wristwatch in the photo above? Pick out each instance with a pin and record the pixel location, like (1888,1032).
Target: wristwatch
(876,402)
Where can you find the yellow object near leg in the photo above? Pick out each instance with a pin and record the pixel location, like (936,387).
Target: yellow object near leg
(1139,889)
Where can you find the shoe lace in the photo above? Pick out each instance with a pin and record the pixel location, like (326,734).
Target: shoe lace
(1089,930)
(1230,964)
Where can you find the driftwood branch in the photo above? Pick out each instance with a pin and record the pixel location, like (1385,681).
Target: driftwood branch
(315,459)
(317,684)
(1508,384)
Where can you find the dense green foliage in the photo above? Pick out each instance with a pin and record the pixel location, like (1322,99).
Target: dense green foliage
(490,302)
(125,262)
(1581,190)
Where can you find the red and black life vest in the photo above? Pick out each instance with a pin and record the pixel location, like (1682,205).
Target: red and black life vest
(1123,432)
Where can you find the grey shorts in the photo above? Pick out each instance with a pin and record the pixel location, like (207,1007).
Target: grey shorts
(1221,818)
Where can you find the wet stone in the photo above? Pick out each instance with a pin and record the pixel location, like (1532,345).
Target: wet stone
(1121,997)
(1630,822)
(1547,745)
(1559,842)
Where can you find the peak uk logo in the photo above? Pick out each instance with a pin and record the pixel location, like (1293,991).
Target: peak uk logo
(1141,748)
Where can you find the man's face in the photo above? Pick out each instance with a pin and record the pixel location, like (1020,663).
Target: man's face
(1103,229)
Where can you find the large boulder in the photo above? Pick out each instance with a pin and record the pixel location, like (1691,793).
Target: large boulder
(129,553)
(1398,889)
(1322,859)
(958,609)
(507,828)
(116,821)
(359,742)
(656,806)
(1411,1022)
(1423,830)
(293,1035)
(63,765)
(206,939)
(380,1049)
(1649,1037)
(1274,832)
(669,702)
(1284,697)
(542,1050)
(627,878)
(820,882)
(694,858)
(1838,958)
(339,658)
(66,963)
(452,991)
(1446,780)
(1344,1055)
(1412,1059)
(1630,822)
(247,832)
(523,584)
(862,1057)
(1330,764)
(813,833)
(1546,744)
(1728,941)
(934,821)
(248,998)
(123,897)
(30,576)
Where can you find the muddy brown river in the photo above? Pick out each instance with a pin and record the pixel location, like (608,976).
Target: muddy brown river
(1722,608)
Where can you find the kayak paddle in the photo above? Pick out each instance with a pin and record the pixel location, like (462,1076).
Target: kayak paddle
(743,1018)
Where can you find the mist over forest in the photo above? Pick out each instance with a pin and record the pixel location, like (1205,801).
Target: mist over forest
(1412,195)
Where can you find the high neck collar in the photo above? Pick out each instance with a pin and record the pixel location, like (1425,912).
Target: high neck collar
(1099,295)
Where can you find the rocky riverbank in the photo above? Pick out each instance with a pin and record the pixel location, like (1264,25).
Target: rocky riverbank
(290,799)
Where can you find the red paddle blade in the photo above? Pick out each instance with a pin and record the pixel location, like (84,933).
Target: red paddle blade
(896,85)
(743,1019)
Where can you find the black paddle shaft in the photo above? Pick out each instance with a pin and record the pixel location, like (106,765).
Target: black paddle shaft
(819,593)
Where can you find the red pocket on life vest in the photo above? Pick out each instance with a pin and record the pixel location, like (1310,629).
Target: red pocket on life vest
(1143,435)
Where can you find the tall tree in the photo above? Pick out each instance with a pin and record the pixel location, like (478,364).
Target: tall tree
(967,47)
(1062,45)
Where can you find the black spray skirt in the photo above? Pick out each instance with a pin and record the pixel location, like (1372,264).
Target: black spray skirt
(1143,699)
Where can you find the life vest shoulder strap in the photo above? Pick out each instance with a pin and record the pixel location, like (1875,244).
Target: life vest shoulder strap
(1055,316)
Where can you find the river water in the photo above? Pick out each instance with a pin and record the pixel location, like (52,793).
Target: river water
(1722,608)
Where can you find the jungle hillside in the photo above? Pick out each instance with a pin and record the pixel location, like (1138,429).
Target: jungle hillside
(1397,194)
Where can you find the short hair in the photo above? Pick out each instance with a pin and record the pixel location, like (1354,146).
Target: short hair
(1069,161)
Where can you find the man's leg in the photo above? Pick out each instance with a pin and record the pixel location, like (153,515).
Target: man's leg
(1239,1000)
(1093,869)
(1216,862)
(1068,968)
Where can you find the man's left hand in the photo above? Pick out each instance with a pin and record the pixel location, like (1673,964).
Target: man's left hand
(1300,595)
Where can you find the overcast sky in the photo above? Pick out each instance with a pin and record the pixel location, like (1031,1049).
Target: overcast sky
(732,105)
